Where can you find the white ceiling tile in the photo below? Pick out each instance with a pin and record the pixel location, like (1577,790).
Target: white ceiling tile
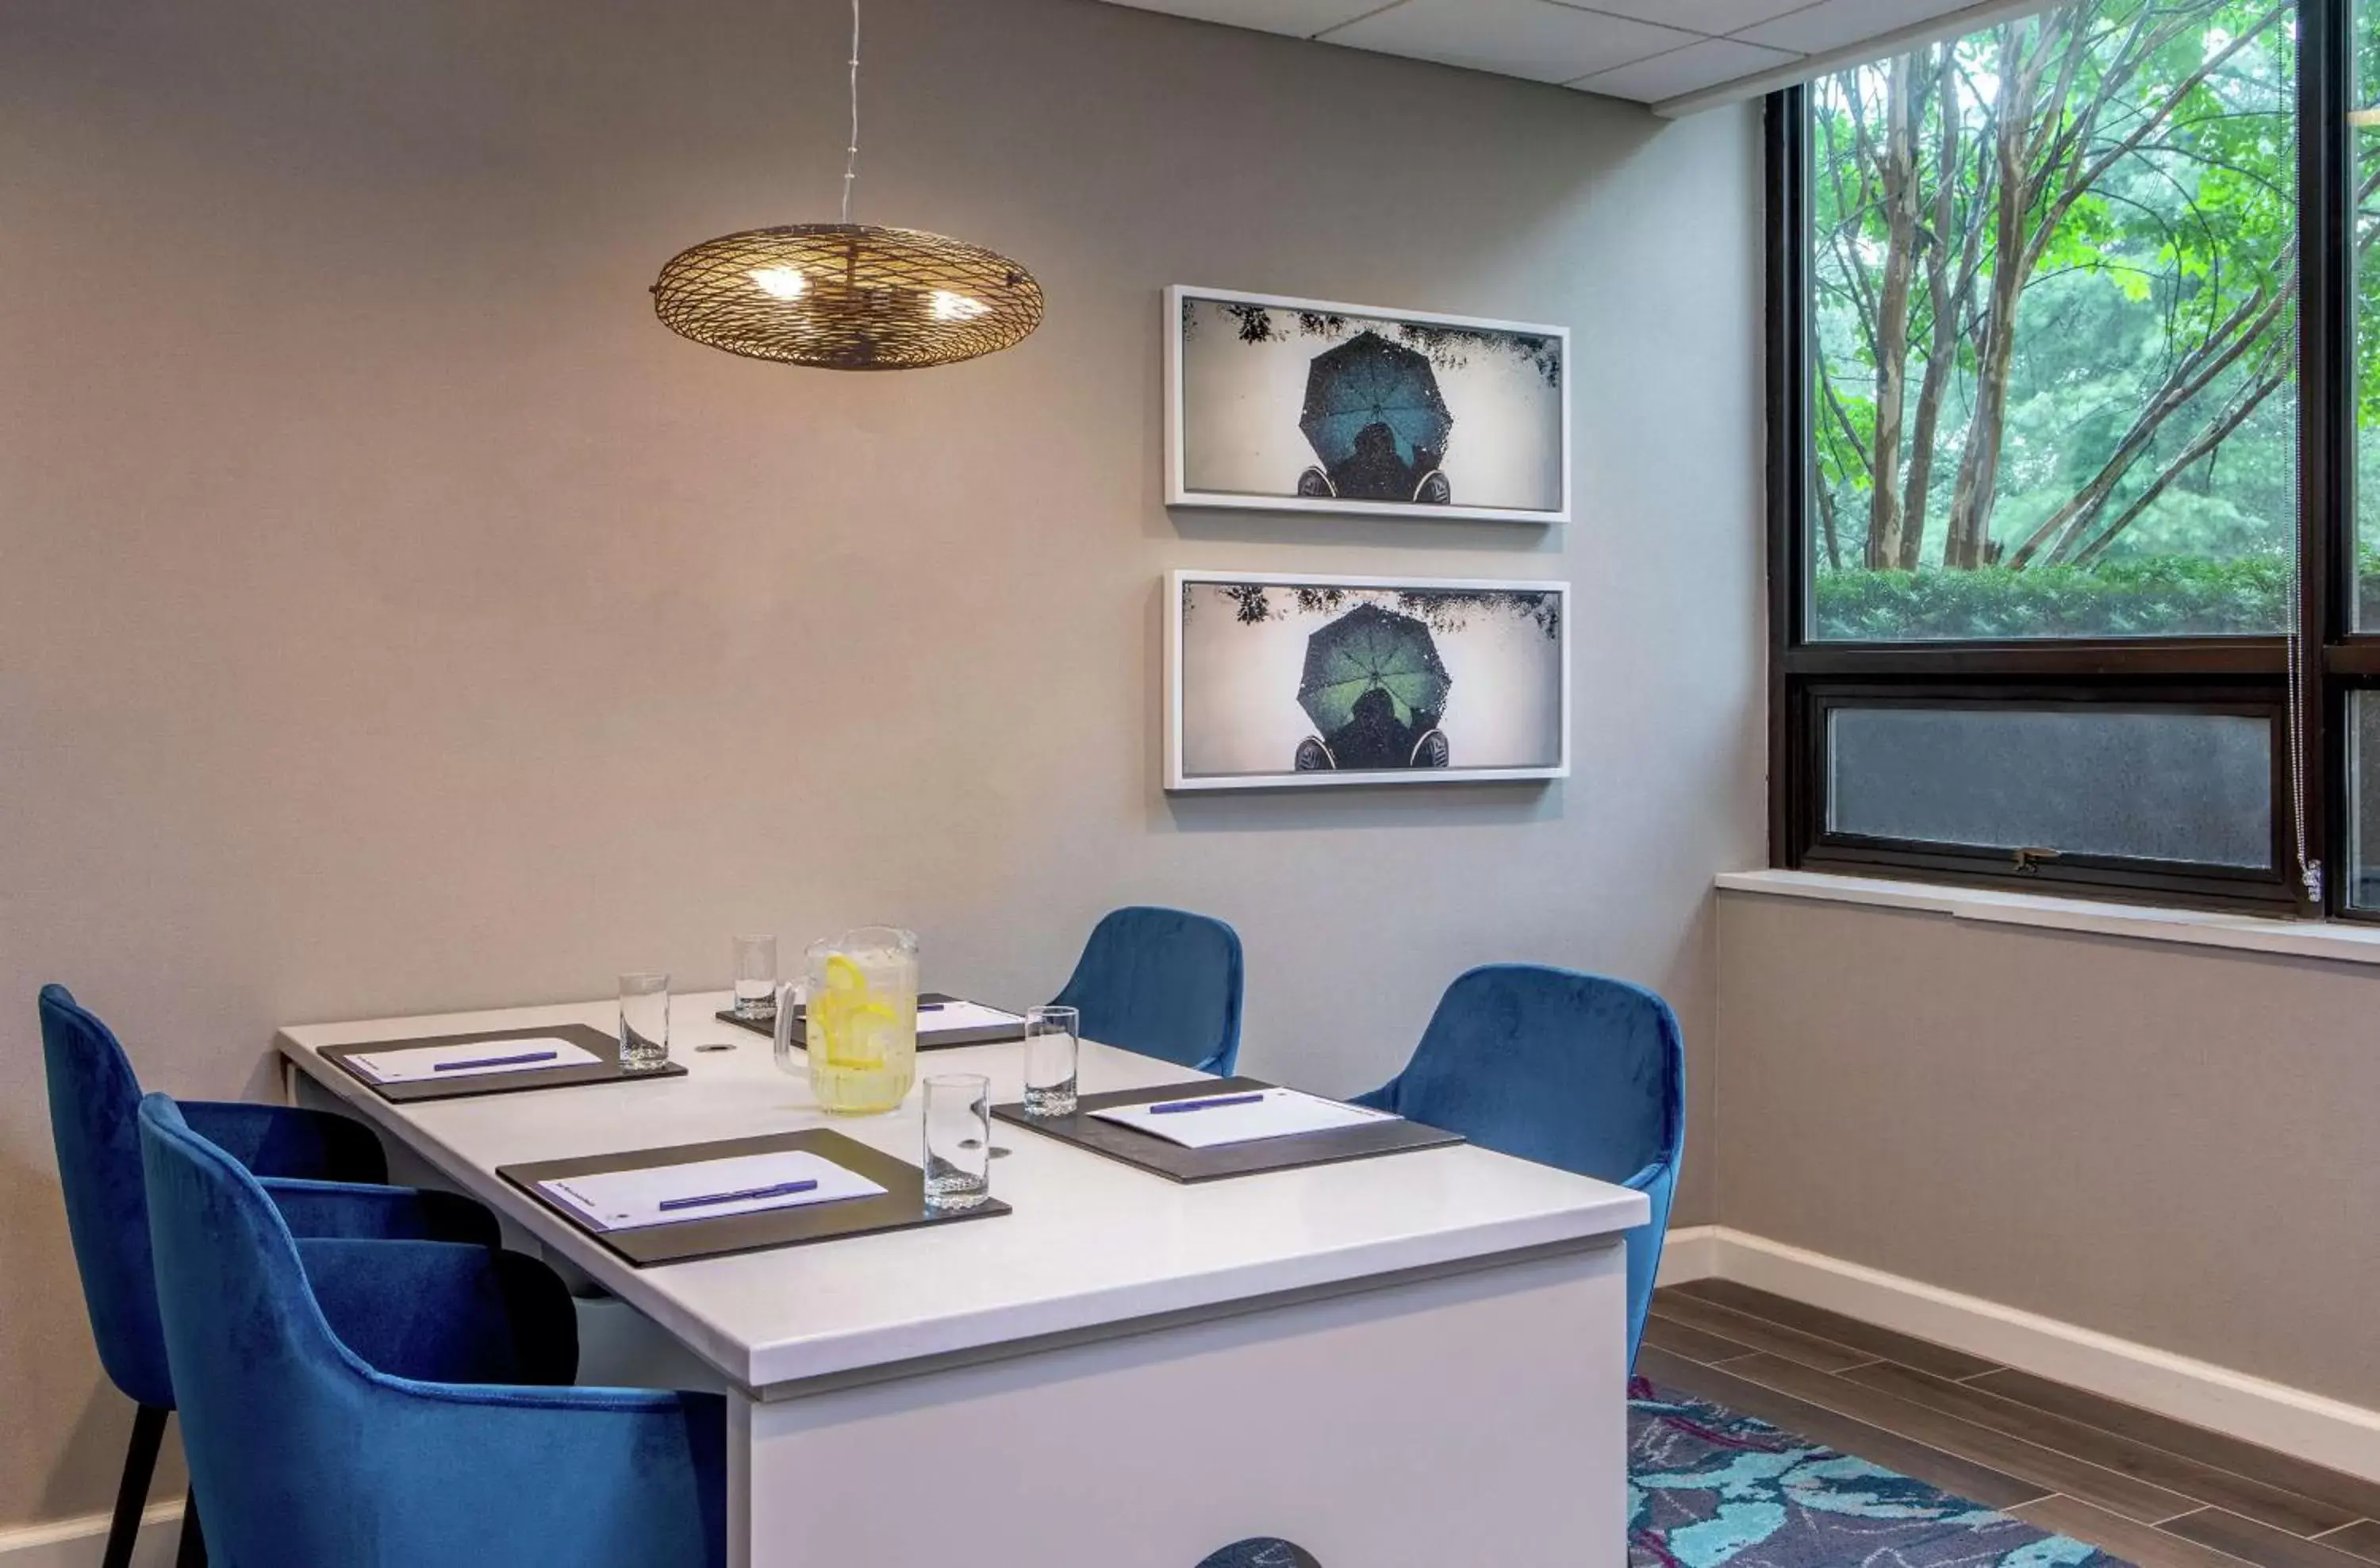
(1300,18)
(1714,16)
(1536,39)
(1688,70)
(1838,24)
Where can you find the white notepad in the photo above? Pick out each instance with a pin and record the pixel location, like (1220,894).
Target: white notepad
(627,1201)
(471,1059)
(1274,1113)
(962,1016)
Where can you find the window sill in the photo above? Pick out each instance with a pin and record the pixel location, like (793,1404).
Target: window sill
(2335,940)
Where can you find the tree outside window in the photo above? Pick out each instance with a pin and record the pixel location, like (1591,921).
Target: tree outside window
(2055,277)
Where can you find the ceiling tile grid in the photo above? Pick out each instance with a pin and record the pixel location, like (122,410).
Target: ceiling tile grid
(1838,24)
(1705,63)
(1300,18)
(1536,39)
(1648,49)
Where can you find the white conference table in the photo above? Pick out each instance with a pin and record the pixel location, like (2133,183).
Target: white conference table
(1415,1359)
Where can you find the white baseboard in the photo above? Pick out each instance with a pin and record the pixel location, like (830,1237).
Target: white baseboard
(1690,1253)
(2313,1428)
(79,1543)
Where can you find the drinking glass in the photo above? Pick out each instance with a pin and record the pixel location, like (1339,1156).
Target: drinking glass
(958,1141)
(644,1021)
(1053,1046)
(756,979)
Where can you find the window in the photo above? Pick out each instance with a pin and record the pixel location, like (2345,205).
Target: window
(2053,308)
(2070,383)
(2115,783)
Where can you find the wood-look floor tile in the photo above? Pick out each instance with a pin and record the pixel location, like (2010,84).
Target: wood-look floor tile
(2356,1496)
(1692,1344)
(1774,1338)
(2261,1543)
(2200,1482)
(2362,1538)
(2144,1546)
(1909,1351)
(1958,1476)
(2050,1468)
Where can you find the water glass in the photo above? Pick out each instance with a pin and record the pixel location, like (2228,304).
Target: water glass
(1053,1046)
(644,1021)
(756,979)
(958,1141)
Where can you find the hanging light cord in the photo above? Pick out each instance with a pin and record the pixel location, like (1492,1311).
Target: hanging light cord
(850,153)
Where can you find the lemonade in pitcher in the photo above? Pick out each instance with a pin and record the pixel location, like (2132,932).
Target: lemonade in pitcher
(861,1023)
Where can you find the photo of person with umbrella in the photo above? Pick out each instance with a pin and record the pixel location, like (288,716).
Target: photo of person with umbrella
(1305,406)
(1375,687)
(1281,680)
(1374,416)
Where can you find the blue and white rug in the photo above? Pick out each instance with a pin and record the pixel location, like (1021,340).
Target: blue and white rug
(1708,1486)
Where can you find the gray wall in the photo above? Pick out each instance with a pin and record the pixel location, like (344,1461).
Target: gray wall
(395,617)
(2169,1143)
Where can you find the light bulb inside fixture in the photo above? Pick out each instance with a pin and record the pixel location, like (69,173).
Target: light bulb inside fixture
(780,283)
(949,307)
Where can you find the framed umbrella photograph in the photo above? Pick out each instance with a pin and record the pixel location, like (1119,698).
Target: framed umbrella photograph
(1305,406)
(1282,680)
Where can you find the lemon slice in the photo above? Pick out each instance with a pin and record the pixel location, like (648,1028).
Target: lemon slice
(842,974)
(861,1036)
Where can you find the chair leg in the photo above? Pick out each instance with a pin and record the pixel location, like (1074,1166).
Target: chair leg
(193,1551)
(132,1491)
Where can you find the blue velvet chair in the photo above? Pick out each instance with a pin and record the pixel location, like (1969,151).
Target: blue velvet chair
(1164,983)
(324,1427)
(326,1170)
(1565,1069)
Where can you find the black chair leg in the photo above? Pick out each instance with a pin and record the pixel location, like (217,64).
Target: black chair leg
(192,1553)
(132,1491)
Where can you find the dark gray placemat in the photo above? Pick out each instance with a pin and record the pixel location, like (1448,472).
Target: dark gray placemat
(901,1206)
(1176,1163)
(948,1040)
(607,1071)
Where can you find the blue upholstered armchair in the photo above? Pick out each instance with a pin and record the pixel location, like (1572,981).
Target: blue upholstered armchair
(325,1171)
(1565,1069)
(1164,983)
(324,1427)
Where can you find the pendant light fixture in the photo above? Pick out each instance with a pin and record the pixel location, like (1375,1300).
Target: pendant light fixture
(845,296)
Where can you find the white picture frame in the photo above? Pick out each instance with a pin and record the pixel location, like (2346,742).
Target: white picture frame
(1189,766)
(1179,490)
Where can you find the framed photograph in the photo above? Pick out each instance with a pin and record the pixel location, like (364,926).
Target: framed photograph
(1276,679)
(1306,406)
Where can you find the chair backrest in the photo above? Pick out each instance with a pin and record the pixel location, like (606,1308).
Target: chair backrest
(1163,982)
(268,1391)
(303,1455)
(1566,1069)
(94,1105)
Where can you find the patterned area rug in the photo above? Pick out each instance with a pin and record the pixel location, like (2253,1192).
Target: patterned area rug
(1707,1487)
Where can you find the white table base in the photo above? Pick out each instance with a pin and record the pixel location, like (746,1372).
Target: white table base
(1476,1417)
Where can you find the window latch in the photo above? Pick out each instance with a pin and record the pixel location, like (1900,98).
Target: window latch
(2028,861)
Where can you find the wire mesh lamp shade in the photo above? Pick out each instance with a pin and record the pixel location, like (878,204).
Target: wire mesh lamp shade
(847,297)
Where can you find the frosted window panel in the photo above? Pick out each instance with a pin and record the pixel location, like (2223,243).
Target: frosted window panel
(2194,787)
(2363,799)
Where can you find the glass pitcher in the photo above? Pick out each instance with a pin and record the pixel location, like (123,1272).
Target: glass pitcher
(860,1021)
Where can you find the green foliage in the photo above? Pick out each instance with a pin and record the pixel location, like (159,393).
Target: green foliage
(2156,251)
(2165,596)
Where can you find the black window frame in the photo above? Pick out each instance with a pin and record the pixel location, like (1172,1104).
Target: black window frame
(2216,675)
